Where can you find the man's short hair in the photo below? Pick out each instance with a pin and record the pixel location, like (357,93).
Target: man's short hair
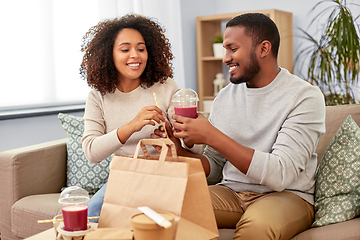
(259,27)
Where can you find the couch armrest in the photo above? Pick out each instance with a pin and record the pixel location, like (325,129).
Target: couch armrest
(35,169)
(25,171)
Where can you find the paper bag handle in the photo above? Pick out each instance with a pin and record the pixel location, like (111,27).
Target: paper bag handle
(164,142)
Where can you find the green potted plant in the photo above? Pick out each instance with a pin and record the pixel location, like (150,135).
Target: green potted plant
(334,58)
(219,50)
(218,38)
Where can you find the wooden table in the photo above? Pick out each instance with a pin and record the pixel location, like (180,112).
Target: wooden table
(50,234)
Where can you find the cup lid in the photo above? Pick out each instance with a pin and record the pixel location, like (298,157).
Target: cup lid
(74,195)
(142,221)
(185,95)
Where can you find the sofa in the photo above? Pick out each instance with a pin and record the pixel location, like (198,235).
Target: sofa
(32,178)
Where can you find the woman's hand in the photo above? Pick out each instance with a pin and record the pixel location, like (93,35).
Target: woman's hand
(193,131)
(147,116)
(160,133)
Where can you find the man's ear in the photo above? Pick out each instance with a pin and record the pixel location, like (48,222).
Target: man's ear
(265,48)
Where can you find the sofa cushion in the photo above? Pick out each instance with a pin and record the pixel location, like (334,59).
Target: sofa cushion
(335,116)
(27,211)
(348,230)
(81,172)
(337,188)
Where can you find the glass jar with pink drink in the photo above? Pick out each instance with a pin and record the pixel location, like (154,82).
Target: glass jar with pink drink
(185,101)
(74,208)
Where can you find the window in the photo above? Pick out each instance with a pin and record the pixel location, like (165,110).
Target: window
(40,55)
(40,49)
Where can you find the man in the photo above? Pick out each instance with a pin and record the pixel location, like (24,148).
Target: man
(261,137)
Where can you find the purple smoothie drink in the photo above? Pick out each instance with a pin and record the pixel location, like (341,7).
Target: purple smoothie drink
(186,111)
(185,102)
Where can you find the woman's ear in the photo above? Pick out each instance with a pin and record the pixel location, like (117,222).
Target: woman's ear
(265,48)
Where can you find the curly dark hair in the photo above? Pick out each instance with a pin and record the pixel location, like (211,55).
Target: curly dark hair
(98,67)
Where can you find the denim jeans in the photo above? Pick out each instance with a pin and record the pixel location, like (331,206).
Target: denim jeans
(95,203)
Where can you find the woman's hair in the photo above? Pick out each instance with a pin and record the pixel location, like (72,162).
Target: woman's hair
(259,27)
(98,66)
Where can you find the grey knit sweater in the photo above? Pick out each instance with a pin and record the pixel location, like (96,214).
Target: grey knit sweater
(282,122)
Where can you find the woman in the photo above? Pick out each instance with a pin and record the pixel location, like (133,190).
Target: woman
(125,61)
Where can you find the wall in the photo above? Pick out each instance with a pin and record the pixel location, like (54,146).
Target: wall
(301,16)
(22,132)
(301,19)
(189,11)
(26,131)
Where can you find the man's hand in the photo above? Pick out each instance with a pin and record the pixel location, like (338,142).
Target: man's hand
(192,131)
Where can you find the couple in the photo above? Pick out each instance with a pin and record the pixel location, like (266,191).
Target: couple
(261,134)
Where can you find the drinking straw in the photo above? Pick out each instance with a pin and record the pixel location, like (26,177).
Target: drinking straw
(59,220)
(159,107)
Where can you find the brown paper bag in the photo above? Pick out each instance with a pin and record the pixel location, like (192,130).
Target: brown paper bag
(165,184)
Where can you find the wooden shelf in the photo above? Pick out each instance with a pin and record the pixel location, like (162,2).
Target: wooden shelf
(208,66)
(212,58)
(208,97)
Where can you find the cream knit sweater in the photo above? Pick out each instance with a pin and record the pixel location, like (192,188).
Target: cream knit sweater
(105,114)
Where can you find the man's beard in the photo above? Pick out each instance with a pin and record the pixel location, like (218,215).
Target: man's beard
(249,72)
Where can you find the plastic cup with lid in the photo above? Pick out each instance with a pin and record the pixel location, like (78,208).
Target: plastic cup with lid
(185,101)
(74,208)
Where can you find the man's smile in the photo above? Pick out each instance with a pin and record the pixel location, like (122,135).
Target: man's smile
(232,68)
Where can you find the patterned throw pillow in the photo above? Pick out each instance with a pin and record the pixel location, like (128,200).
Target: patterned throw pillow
(337,189)
(81,172)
